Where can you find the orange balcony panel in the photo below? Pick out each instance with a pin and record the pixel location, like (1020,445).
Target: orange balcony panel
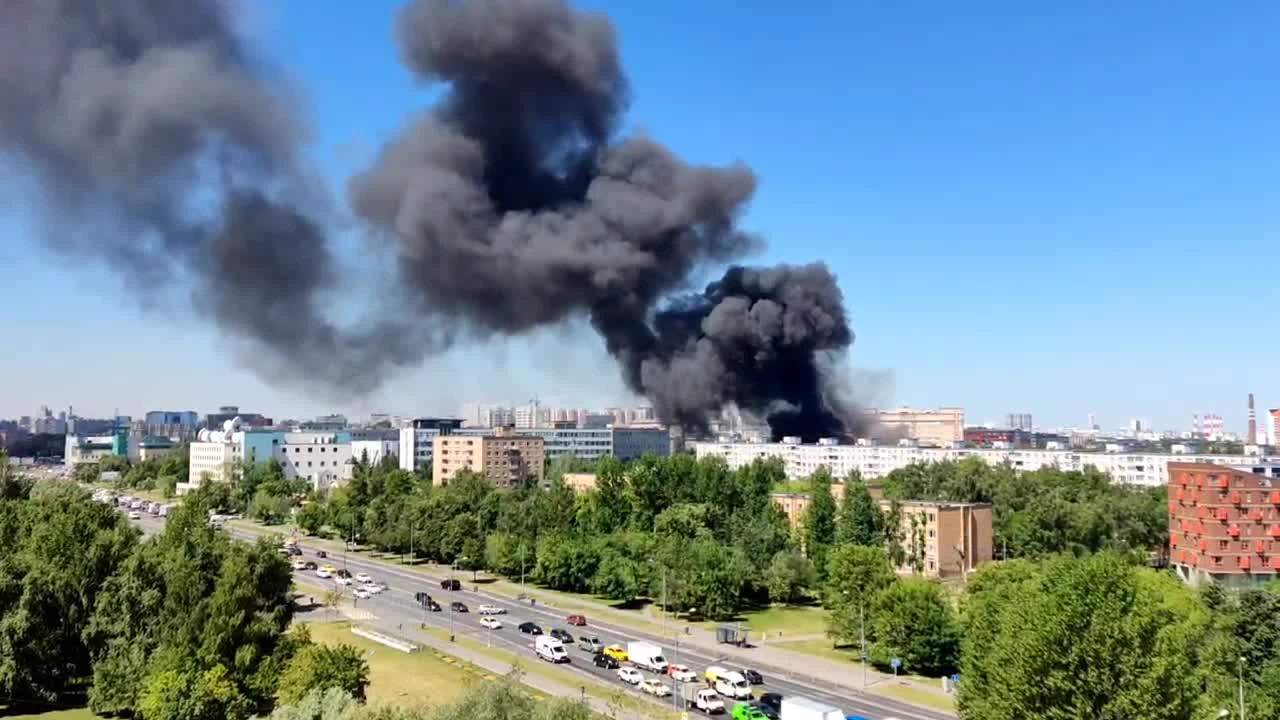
(1223,514)
(1223,482)
(1173,541)
(1203,545)
(1244,562)
(1255,514)
(1200,527)
(1180,495)
(1183,479)
(1200,511)
(1275,562)
(1259,546)
(1199,481)
(1236,498)
(1275,498)
(1234,531)
(1275,531)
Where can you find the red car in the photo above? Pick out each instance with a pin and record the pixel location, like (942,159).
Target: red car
(576,620)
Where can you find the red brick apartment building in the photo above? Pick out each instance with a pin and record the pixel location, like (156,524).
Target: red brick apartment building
(1224,524)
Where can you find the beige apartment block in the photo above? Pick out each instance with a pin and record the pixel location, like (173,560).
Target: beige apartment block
(940,427)
(942,539)
(506,458)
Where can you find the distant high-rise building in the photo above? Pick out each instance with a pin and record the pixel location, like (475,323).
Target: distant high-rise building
(1274,433)
(1135,426)
(1092,425)
(1251,437)
(1018,421)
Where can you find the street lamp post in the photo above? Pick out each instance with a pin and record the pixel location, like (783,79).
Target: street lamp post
(1240,680)
(862,636)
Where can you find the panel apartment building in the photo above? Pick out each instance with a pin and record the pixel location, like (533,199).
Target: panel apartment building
(506,457)
(1224,523)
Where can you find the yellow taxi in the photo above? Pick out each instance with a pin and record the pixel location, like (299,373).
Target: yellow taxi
(617,652)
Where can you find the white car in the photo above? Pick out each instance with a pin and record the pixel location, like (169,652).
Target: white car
(323,573)
(681,673)
(491,610)
(363,578)
(342,580)
(135,515)
(299,564)
(490,622)
(362,594)
(630,676)
(653,687)
(371,587)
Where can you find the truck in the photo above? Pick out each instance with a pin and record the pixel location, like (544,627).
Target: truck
(646,655)
(702,699)
(550,649)
(795,707)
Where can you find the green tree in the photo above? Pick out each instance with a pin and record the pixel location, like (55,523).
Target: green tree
(856,574)
(311,517)
(1090,637)
(819,522)
(914,622)
(208,695)
(860,521)
(323,667)
(788,577)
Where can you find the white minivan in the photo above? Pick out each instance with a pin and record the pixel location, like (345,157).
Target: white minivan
(550,649)
(729,683)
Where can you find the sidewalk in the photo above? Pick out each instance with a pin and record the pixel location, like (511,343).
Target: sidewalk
(765,656)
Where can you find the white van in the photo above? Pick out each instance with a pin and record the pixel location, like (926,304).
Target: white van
(550,649)
(732,684)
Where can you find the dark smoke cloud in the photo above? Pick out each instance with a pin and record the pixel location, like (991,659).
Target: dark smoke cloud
(161,149)
(513,204)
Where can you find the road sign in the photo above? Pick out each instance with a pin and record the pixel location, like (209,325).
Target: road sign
(895,663)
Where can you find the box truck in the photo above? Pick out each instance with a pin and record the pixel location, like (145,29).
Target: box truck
(802,708)
(647,655)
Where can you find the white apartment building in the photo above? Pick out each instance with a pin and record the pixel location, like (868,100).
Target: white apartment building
(874,461)
(322,458)
(375,450)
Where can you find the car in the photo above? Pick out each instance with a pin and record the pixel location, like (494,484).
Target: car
(361,593)
(753,676)
(681,673)
(576,620)
(530,628)
(299,565)
(771,700)
(364,578)
(654,687)
(321,554)
(490,621)
(563,636)
(589,644)
(324,572)
(491,610)
(308,565)
(371,587)
(617,652)
(135,515)
(421,598)
(768,711)
(748,711)
(630,675)
(344,573)
(458,607)
(450,584)
(344,581)
(294,551)
(433,606)
(604,661)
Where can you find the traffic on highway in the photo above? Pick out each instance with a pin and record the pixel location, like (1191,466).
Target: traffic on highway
(659,668)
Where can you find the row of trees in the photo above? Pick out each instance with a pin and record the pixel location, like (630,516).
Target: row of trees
(503,699)
(187,625)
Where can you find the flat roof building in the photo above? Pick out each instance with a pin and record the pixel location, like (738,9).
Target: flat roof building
(506,458)
(1224,523)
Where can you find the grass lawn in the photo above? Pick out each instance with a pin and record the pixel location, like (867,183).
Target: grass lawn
(399,678)
(789,620)
(918,696)
(77,714)
(921,696)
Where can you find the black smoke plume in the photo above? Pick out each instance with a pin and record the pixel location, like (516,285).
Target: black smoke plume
(511,205)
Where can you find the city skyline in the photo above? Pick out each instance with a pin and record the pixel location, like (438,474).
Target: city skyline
(913,184)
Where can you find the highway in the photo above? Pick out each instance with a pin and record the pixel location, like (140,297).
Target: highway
(396,606)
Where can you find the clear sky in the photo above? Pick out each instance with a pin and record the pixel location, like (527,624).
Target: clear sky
(1053,208)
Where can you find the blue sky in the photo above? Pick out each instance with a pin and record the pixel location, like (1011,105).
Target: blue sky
(1030,207)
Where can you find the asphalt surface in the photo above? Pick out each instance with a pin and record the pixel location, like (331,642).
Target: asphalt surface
(396,605)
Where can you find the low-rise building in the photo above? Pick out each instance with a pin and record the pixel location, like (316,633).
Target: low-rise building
(942,427)
(417,440)
(507,458)
(321,458)
(942,539)
(579,482)
(92,449)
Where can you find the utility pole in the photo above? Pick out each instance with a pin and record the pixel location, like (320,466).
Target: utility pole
(522,567)
(862,634)
(664,600)
(1240,678)
(675,705)
(412,526)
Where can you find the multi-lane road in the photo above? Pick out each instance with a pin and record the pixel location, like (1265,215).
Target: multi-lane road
(396,606)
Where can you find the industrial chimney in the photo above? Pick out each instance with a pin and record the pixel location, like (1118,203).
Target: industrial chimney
(1252,437)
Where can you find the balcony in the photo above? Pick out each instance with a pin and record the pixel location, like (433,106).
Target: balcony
(1222,482)
(1275,562)
(1234,531)
(1275,498)
(1236,497)
(1203,545)
(1255,514)
(1275,531)
(1173,540)
(1223,514)
(1243,562)
(1202,511)
(1180,495)
(1259,546)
